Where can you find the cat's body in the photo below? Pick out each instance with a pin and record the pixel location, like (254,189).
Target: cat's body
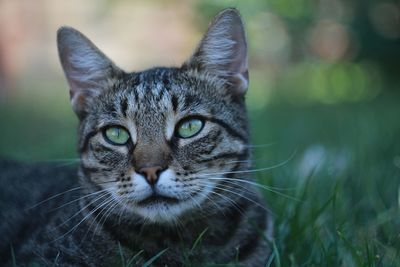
(164,163)
(42,238)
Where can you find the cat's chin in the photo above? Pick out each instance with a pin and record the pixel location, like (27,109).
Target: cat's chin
(158,199)
(160,210)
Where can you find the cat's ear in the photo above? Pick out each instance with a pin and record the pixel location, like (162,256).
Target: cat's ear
(223,51)
(87,69)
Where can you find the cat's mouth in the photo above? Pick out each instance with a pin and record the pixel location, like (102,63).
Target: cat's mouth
(157,199)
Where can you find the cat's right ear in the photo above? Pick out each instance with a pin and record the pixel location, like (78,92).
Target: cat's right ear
(86,68)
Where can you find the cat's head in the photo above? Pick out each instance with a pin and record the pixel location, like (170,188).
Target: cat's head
(157,143)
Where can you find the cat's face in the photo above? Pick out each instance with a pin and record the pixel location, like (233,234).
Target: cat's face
(179,129)
(159,141)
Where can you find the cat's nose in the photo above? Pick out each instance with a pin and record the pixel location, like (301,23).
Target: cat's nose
(151,174)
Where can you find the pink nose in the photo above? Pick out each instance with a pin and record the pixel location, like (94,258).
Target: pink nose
(151,174)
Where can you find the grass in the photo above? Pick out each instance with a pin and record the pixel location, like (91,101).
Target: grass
(346,177)
(342,183)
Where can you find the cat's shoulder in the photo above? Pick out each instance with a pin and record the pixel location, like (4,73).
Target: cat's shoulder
(23,189)
(37,174)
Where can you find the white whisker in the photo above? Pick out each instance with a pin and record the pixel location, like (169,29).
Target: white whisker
(75,200)
(253,170)
(241,195)
(224,197)
(262,145)
(54,196)
(106,214)
(84,219)
(94,220)
(270,189)
(103,194)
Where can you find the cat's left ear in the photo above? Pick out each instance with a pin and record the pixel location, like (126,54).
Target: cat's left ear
(87,69)
(223,52)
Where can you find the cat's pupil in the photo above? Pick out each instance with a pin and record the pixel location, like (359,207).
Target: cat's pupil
(115,133)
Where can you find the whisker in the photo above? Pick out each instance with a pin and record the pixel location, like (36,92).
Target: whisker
(122,211)
(67,162)
(227,199)
(62,193)
(75,200)
(257,185)
(106,214)
(84,219)
(195,200)
(262,145)
(253,170)
(232,185)
(240,195)
(207,197)
(94,220)
(62,160)
(226,163)
(54,196)
(103,194)
(108,182)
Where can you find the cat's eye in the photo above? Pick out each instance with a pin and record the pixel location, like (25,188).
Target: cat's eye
(116,135)
(189,128)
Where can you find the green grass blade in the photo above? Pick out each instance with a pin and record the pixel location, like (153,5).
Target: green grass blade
(276,253)
(121,253)
(198,240)
(14,261)
(131,260)
(154,258)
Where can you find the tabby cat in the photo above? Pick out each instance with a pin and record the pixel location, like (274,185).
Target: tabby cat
(164,166)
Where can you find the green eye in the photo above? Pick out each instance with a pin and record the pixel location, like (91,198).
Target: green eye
(189,128)
(116,135)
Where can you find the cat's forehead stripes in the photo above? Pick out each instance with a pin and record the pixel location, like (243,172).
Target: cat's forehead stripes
(142,104)
(151,103)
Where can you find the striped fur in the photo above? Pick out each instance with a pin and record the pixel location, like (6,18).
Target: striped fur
(200,178)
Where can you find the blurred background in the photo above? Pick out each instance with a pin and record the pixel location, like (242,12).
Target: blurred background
(324,104)
(331,53)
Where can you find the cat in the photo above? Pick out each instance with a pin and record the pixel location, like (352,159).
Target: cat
(164,167)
